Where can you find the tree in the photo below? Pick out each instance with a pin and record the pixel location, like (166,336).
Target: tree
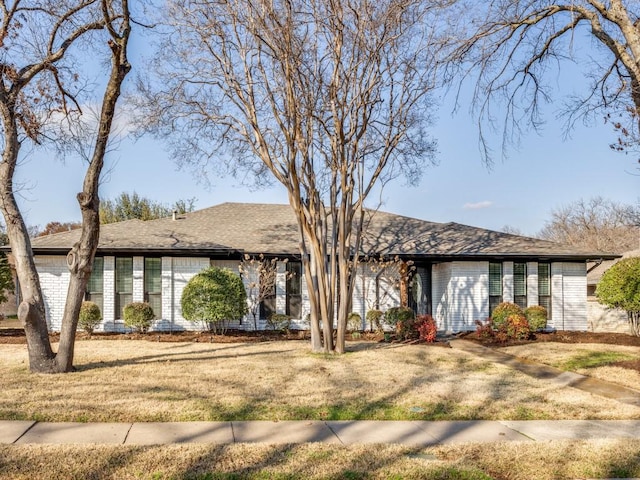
(513,45)
(597,224)
(620,288)
(40,86)
(329,98)
(260,274)
(214,297)
(58,227)
(129,206)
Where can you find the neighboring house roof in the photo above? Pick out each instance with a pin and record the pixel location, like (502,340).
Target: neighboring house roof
(272,229)
(597,269)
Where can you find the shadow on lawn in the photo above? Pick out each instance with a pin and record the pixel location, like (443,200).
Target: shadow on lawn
(206,354)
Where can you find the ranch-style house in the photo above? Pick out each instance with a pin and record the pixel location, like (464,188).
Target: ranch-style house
(459,272)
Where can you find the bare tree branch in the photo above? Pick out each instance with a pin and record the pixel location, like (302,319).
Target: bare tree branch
(513,43)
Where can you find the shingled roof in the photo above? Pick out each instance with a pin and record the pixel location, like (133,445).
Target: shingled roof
(232,228)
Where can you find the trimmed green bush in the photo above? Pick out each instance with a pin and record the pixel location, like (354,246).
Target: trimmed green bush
(279,321)
(503,311)
(90,317)
(354,322)
(537,317)
(403,319)
(620,288)
(138,315)
(214,297)
(374,319)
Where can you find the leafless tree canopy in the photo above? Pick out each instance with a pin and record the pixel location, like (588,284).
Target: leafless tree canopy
(513,46)
(328,97)
(596,224)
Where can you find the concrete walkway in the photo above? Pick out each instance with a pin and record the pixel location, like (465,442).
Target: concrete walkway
(415,433)
(555,375)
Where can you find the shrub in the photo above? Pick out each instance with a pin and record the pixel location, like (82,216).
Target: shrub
(517,327)
(485,329)
(537,317)
(620,288)
(374,318)
(279,321)
(90,317)
(354,322)
(403,319)
(427,328)
(398,314)
(504,310)
(514,327)
(138,315)
(214,297)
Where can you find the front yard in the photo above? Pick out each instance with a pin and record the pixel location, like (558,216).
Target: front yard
(137,380)
(133,380)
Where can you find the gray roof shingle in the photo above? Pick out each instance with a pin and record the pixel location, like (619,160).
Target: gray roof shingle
(272,229)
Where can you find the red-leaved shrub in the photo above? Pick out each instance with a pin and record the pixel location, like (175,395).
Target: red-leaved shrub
(517,327)
(427,328)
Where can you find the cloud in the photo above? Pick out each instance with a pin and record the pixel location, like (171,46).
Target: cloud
(477,205)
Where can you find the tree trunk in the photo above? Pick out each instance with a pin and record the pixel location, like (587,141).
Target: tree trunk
(31,311)
(634,323)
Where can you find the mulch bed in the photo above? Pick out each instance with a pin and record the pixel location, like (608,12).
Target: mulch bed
(16,335)
(563,337)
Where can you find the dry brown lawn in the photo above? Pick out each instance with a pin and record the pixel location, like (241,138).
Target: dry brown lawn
(513,461)
(130,380)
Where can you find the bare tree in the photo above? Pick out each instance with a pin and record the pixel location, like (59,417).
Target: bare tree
(596,224)
(57,227)
(260,276)
(513,45)
(37,85)
(329,97)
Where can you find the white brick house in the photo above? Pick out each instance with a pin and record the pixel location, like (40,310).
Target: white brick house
(461,272)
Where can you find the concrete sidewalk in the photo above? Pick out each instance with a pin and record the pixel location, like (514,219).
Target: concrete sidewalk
(415,433)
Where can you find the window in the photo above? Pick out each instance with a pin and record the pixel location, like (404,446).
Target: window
(544,286)
(94,292)
(124,284)
(520,284)
(153,284)
(294,289)
(495,285)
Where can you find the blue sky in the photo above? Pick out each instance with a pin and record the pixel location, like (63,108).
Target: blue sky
(544,173)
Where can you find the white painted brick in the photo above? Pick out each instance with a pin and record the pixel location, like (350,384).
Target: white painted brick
(507,281)
(574,278)
(138,279)
(109,288)
(532,284)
